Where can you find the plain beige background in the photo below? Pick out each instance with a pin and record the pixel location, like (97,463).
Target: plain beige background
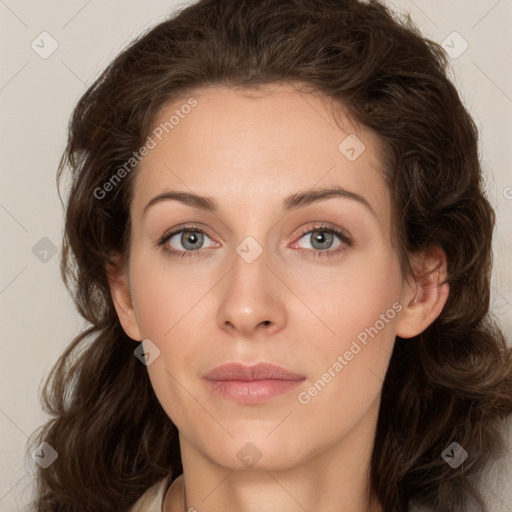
(36,99)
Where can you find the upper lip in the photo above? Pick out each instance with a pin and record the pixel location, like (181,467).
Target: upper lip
(242,372)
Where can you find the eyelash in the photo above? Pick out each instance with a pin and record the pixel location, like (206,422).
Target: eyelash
(323,228)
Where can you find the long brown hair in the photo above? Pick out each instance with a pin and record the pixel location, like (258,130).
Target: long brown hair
(453,382)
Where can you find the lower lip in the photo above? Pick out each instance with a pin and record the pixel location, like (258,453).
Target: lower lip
(254,391)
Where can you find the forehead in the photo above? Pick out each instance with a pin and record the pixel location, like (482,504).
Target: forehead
(257,146)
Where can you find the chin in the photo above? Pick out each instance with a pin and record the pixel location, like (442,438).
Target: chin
(257,451)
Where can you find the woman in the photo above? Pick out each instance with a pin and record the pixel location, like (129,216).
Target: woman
(281,202)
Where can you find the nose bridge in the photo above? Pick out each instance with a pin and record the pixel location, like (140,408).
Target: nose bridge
(251,298)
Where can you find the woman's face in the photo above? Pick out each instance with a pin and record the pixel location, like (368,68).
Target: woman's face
(267,269)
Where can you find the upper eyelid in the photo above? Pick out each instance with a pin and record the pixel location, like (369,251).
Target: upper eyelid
(174,231)
(326,226)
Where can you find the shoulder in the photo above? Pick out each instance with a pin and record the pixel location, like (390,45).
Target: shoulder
(152,500)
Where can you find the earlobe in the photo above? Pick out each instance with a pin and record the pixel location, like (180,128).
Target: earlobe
(121,297)
(425,298)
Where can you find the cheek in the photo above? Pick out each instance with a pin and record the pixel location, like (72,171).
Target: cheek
(169,311)
(349,367)
(357,311)
(351,297)
(161,295)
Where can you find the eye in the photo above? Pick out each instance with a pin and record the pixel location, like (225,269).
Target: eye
(185,242)
(324,241)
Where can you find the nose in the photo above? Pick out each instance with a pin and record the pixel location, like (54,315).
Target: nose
(252,299)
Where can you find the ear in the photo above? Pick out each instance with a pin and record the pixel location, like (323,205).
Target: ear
(117,273)
(424,298)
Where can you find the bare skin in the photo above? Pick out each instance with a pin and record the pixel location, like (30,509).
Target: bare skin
(293,305)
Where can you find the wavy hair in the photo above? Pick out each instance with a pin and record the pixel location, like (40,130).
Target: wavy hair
(453,382)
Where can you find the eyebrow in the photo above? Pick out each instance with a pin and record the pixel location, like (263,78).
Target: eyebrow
(292,202)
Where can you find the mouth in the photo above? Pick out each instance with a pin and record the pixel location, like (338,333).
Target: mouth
(251,384)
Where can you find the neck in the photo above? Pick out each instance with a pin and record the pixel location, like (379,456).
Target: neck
(332,480)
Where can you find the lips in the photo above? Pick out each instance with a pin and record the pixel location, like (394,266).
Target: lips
(251,384)
(260,371)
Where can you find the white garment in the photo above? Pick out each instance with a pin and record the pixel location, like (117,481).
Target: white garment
(153,499)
